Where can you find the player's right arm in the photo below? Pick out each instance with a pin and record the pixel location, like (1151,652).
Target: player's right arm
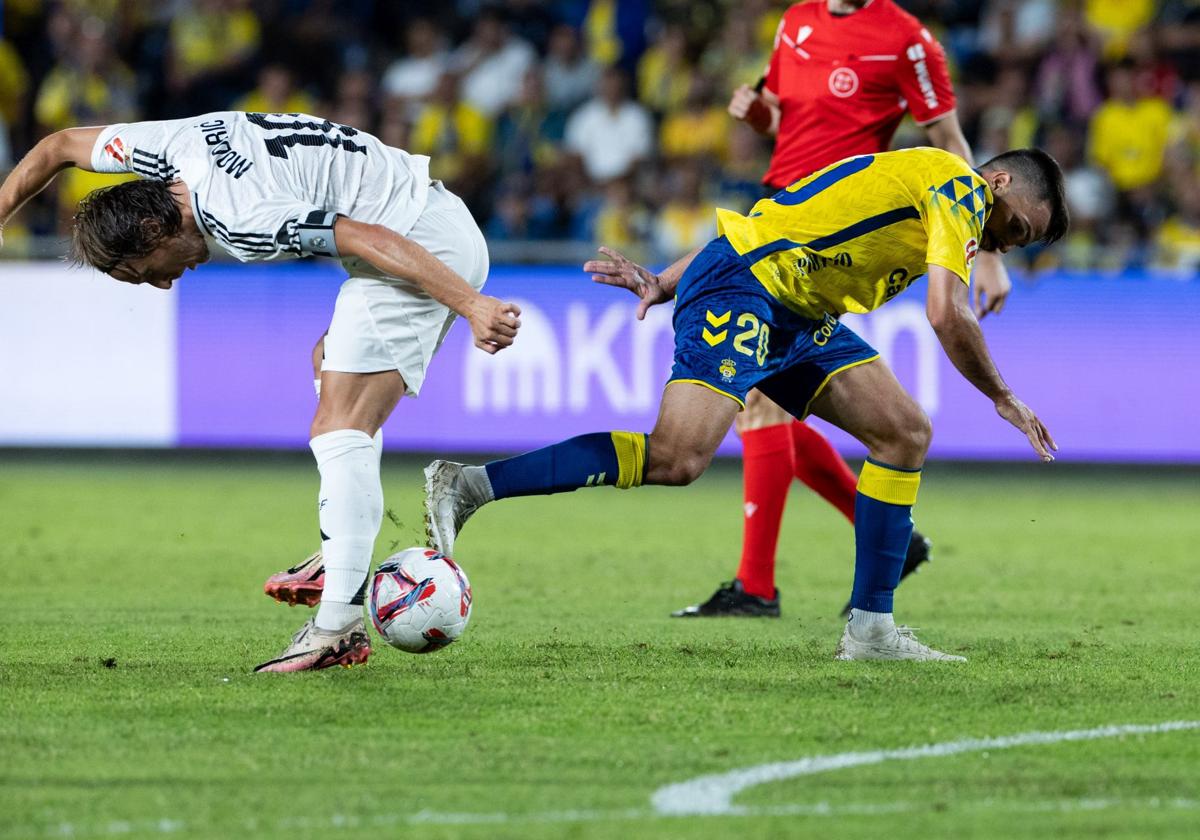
(53,154)
(651,288)
(948,308)
(494,323)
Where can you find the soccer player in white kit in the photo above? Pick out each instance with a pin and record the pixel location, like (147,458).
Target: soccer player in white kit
(277,186)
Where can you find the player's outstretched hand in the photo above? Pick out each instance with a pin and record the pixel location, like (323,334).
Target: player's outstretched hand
(992,284)
(494,323)
(1020,415)
(619,270)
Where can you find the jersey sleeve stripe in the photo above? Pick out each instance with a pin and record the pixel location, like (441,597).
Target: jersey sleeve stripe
(823,182)
(245,242)
(872,223)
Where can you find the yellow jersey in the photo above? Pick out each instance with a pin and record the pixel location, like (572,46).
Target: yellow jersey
(852,236)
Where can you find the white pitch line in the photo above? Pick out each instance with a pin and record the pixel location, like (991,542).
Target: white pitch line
(709,796)
(713,795)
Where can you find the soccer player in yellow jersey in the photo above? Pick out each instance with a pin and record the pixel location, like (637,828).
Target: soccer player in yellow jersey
(759,307)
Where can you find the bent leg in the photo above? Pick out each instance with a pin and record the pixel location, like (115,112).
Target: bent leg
(692,421)
(352,408)
(868,402)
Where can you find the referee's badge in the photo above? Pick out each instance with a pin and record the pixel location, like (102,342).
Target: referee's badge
(843,82)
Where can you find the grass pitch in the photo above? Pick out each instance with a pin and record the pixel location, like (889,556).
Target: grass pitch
(131,614)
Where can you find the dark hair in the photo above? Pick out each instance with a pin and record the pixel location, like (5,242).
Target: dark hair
(1041,174)
(122,222)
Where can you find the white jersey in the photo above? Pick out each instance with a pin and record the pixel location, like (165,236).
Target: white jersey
(269,186)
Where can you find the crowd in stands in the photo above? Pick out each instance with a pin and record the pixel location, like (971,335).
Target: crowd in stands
(604,121)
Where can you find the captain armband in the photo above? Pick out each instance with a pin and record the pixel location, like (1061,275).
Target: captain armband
(315,234)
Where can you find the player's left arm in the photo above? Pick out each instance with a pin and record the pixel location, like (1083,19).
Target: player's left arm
(925,82)
(949,311)
(494,322)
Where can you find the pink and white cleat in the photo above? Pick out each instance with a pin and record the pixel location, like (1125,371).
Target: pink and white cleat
(313,649)
(301,584)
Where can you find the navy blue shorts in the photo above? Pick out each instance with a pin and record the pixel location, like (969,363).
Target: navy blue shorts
(731,335)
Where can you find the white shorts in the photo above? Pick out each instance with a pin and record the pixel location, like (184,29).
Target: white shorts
(384,323)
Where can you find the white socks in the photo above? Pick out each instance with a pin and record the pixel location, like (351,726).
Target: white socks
(350,513)
(477,477)
(863,622)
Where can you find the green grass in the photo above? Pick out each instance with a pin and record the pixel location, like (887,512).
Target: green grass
(131,614)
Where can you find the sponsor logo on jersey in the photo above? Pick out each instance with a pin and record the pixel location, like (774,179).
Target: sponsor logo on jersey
(812,263)
(115,149)
(823,333)
(916,54)
(229,161)
(843,82)
(970,251)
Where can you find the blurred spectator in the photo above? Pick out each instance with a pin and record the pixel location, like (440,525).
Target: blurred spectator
(568,75)
(699,129)
(1117,21)
(1129,132)
(14,83)
(1178,239)
(530,21)
(1067,83)
(735,59)
(513,214)
(457,137)
(621,221)
(276,93)
(686,221)
(354,100)
(91,88)
(1017,29)
(572,167)
(1009,116)
(492,64)
(663,73)
(528,134)
(412,78)
(614,31)
(740,181)
(610,133)
(210,44)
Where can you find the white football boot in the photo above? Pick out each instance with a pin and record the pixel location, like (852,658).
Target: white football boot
(312,649)
(884,640)
(451,496)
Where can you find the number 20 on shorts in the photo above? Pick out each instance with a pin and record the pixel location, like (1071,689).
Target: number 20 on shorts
(753,329)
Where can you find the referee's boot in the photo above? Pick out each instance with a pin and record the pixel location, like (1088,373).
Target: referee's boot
(732,600)
(919,548)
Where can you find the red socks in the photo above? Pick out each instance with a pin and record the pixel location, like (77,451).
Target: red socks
(820,466)
(768,467)
(771,458)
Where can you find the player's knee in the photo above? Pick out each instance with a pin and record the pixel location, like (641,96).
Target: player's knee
(914,433)
(674,467)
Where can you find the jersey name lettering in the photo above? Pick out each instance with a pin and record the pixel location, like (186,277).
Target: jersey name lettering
(216,135)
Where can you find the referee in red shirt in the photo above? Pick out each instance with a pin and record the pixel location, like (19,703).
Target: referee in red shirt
(842,75)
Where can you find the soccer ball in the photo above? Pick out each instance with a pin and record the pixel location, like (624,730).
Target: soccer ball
(420,600)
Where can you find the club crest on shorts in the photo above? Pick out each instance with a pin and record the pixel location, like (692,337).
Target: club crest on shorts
(728,370)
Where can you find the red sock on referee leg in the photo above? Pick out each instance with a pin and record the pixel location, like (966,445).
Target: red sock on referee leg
(768,466)
(820,466)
